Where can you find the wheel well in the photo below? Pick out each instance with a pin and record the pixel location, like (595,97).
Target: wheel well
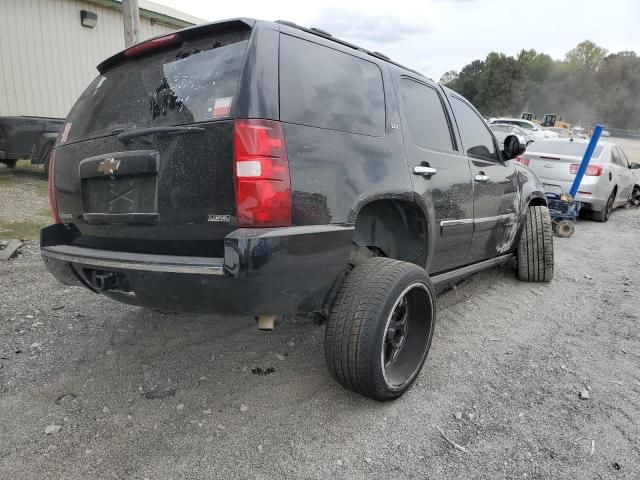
(393,228)
(538,202)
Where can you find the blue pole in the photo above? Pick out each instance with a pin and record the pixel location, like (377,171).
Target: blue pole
(595,136)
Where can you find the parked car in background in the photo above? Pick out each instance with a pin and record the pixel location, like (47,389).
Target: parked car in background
(503,130)
(538,131)
(609,181)
(562,132)
(28,138)
(579,131)
(292,173)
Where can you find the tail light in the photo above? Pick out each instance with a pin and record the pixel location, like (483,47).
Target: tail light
(261,168)
(592,170)
(523,160)
(52,187)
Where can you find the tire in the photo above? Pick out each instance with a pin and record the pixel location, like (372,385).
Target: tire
(11,163)
(604,214)
(634,200)
(363,350)
(45,165)
(535,247)
(565,228)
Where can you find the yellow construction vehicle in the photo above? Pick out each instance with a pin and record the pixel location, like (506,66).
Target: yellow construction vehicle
(554,120)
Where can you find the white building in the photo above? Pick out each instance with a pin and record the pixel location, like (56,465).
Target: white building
(47,56)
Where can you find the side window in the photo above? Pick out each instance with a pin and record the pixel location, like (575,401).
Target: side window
(425,115)
(623,158)
(476,139)
(326,88)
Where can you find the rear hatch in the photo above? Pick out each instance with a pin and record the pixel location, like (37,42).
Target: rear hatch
(551,160)
(145,161)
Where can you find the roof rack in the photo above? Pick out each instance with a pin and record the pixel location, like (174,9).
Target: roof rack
(328,36)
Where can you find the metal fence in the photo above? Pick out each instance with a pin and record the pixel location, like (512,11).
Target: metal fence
(616,132)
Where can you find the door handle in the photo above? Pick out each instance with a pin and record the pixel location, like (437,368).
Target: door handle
(424,170)
(482,178)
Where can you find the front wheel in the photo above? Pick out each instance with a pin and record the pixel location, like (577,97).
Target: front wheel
(380,328)
(535,247)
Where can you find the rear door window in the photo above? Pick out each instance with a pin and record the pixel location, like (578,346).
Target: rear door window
(615,157)
(426,117)
(326,88)
(193,82)
(623,157)
(476,137)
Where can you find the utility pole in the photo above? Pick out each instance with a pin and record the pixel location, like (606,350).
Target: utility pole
(131,18)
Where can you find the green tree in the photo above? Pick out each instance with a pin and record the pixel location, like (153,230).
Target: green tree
(586,54)
(587,87)
(449,77)
(500,85)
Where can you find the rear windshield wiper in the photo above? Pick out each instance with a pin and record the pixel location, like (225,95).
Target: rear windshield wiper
(128,135)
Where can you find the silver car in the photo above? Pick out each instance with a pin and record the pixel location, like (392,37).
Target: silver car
(503,130)
(536,130)
(609,181)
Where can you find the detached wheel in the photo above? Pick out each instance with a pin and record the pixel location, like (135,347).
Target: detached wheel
(604,214)
(535,247)
(380,328)
(565,228)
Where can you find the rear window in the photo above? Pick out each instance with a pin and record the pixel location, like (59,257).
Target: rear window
(322,87)
(563,148)
(194,82)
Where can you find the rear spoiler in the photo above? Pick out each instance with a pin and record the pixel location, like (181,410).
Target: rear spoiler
(188,33)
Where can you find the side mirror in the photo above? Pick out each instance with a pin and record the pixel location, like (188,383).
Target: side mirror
(634,165)
(514,145)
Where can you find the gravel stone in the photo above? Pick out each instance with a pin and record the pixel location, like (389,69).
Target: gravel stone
(52,429)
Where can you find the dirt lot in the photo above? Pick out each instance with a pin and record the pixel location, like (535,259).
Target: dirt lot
(503,380)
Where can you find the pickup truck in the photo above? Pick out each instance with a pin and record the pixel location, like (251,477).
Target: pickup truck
(28,138)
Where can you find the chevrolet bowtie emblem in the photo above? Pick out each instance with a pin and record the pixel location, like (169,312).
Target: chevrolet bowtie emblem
(108,166)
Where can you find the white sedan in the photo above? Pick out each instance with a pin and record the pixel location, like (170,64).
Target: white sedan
(531,127)
(609,181)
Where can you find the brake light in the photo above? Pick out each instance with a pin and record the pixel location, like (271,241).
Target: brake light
(52,187)
(592,170)
(143,48)
(261,169)
(523,160)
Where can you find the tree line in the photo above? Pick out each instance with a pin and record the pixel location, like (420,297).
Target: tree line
(589,86)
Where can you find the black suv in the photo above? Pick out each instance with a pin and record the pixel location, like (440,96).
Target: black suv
(258,168)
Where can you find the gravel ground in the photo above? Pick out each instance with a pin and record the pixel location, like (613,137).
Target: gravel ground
(503,380)
(23,199)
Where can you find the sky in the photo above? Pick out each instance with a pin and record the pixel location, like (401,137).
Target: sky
(434,36)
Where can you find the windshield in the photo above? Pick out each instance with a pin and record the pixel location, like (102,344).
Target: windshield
(191,83)
(563,148)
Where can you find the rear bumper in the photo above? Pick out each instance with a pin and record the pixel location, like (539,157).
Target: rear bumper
(263,271)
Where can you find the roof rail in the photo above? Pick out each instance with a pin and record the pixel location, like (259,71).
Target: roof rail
(328,36)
